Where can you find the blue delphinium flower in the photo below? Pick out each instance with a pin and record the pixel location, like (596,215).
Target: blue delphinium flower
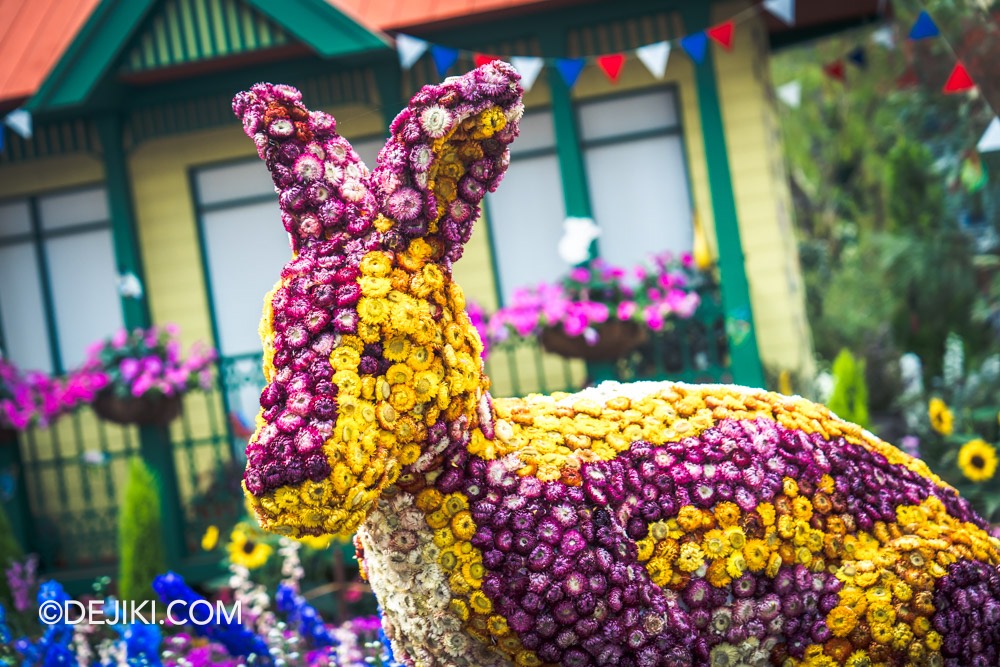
(237,639)
(304,615)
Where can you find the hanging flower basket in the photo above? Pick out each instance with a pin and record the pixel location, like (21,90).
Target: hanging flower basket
(615,339)
(142,411)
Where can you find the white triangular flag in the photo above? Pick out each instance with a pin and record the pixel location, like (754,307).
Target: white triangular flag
(19,120)
(885,37)
(783,9)
(990,140)
(529,67)
(410,49)
(790,93)
(654,57)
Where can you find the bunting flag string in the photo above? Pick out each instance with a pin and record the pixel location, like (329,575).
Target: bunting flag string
(783,10)
(654,57)
(959,80)
(990,140)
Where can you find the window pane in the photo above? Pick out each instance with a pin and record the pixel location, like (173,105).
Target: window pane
(84,292)
(601,119)
(232,182)
(639,194)
(22,309)
(536,132)
(73,208)
(15,218)
(240,272)
(526,221)
(368,150)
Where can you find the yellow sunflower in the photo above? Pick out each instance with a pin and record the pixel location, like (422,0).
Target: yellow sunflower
(978,460)
(245,550)
(942,419)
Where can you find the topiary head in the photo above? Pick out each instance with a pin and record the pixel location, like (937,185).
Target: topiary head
(368,351)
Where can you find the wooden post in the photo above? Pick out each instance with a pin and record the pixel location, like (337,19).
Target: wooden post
(744,357)
(155,447)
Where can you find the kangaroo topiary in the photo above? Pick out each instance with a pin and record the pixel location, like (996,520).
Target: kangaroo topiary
(634,525)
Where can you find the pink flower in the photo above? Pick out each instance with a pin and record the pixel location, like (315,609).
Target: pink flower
(119,339)
(129,368)
(579,274)
(626,309)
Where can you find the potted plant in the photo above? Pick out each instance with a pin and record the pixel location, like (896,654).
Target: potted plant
(600,312)
(146,375)
(36,399)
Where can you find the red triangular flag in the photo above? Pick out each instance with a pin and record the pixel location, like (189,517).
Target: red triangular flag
(959,80)
(722,33)
(481,59)
(835,70)
(612,65)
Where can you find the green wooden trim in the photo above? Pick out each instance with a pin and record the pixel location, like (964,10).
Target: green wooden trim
(319,24)
(112,26)
(41,257)
(206,29)
(90,55)
(576,194)
(207,273)
(388,82)
(17,506)
(744,356)
(135,311)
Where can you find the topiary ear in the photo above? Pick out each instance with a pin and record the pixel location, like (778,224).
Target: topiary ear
(447,149)
(321,182)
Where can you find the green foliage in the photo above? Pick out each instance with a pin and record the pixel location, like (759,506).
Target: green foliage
(849,400)
(139,538)
(10,551)
(879,203)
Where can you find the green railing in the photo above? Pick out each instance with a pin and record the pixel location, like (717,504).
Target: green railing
(61,487)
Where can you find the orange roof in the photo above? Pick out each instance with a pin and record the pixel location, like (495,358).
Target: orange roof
(398,14)
(33,35)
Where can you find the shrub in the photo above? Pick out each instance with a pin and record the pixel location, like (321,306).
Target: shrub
(850,392)
(140,547)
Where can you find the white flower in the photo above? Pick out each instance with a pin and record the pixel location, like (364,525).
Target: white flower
(436,121)
(578,234)
(352,190)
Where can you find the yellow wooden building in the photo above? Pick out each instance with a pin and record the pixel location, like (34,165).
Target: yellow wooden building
(137,168)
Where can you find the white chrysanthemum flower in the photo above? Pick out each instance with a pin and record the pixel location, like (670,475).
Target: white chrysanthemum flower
(436,121)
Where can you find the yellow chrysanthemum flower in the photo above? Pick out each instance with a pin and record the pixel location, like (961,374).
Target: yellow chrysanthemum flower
(316,543)
(691,557)
(397,348)
(978,460)
(727,514)
(942,419)
(376,263)
(841,621)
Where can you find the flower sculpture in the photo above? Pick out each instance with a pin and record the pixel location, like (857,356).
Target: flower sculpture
(645,524)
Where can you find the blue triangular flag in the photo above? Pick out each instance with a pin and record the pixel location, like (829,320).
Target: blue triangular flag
(858,56)
(570,69)
(924,27)
(444,58)
(695,46)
